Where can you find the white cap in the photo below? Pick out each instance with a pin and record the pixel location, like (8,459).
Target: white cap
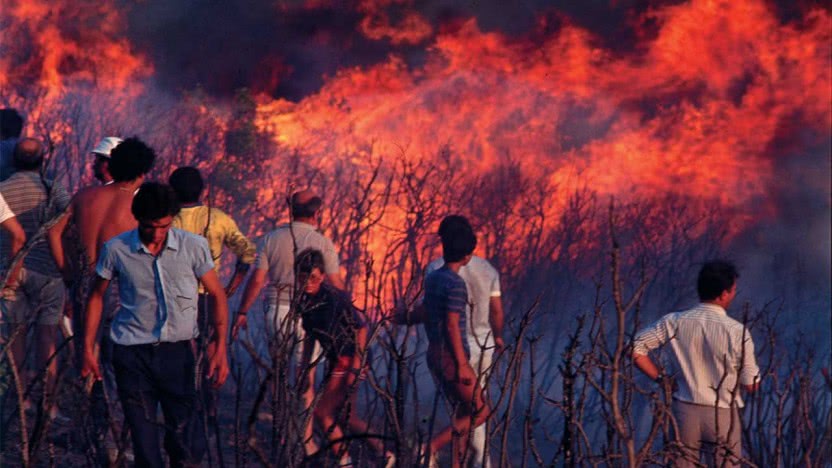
(106,145)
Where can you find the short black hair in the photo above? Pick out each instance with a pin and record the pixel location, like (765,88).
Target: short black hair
(11,123)
(458,238)
(716,277)
(28,154)
(305,210)
(307,260)
(187,183)
(452,223)
(130,159)
(154,201)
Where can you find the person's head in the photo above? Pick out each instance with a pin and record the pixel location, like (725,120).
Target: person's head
(305,204)
(28,154)
(154,207)
(187,183)
(458,239)
(453,223)
(309,270)
(717,282)
(131,159)
(101,153)
(11,124)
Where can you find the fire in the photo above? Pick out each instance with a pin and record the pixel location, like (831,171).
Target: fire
(696,109)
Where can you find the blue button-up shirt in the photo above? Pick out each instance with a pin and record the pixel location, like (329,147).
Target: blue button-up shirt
(158,294)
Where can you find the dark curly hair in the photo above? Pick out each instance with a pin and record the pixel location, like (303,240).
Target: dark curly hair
(130,159)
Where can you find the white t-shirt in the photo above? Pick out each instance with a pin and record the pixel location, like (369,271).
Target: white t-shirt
(5,211)
(483,283)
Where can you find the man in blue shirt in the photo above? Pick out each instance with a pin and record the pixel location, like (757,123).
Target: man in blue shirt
(158,268)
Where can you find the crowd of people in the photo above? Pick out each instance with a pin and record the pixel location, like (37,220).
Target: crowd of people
(130,267)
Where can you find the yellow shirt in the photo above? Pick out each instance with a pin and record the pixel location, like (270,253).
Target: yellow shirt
(222,232)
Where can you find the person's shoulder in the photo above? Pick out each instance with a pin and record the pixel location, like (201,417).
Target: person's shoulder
(434,265)
(483,265)
(121,241)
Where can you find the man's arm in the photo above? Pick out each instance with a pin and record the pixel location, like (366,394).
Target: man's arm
(646,365)
(55,239)
(244,249)
(454,336)
(95,304)
(648,339)
(237,278)
(218,363)
(497,321)
(253,287)
(18,240)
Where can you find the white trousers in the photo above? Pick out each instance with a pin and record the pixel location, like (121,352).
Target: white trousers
(481,360)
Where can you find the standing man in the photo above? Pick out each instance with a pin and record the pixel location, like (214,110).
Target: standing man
(40,293)
(159,269)
(101,164)
(97,214)
(484,316)
(276,259)
(714,355)
(220,230)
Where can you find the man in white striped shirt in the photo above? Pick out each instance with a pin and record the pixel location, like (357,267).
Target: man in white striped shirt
(714,357)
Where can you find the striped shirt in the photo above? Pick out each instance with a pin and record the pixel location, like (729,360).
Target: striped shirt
(445,294)
(27,197)
(483,283)
(705,346)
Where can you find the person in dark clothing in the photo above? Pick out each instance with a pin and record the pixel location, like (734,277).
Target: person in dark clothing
(445,300)
(328,317)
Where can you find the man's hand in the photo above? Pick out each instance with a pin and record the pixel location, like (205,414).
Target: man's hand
(89,366)
(499,345)
(465,375)
(218,366)
(241,321)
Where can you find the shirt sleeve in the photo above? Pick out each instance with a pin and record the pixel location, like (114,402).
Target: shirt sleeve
(243,248)
(261,260)
(203,262)
(652,336)
(457,298)
(330,258)
(749,372)
(495,285)
(105,267)
(5,211)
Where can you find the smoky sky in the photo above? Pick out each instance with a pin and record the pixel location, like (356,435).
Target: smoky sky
(286,49)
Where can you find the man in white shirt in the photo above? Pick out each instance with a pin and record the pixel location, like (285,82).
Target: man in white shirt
(18,237)
(484,317)
(714,356)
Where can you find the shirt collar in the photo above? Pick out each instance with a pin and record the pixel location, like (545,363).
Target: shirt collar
(171,242)
(713,308)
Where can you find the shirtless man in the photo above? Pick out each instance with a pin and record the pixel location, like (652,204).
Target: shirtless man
(101,213)
(98,214)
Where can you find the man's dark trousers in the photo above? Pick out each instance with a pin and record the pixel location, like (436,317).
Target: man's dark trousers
(150,375)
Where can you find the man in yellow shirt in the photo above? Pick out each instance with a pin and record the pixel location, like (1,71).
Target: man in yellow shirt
(221,231)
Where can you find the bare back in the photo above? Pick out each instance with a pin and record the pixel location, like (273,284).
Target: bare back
(101,213)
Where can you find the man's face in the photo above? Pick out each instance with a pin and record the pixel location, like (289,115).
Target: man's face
(732,293)
(154,231)
(312,281)
(101,167)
